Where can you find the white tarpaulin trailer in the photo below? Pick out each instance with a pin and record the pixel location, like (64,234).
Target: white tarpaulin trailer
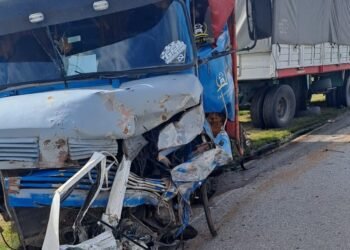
(305,33)
(305,50)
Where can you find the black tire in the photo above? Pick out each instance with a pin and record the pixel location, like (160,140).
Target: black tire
(210,222)
(279,106)
(346,93)
(256,108)
(335,98)
(300,88)
(331,98)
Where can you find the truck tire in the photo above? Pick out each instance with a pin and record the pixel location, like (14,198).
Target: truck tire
(256,108)
(346,92)
(331,98)
(300,89)
(279,106)
(335,98)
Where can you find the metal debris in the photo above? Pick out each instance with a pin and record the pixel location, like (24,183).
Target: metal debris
(184,131)
(104,241)
(51,240)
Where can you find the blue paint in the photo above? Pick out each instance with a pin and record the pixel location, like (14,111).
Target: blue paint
(186,215)
(217,80)
(31,198)
(223,140)
(116,83)
(45,199)
(36,189)
(182,170)
(130,201)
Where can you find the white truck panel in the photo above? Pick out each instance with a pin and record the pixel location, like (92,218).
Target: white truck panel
(264,65)
(252,66)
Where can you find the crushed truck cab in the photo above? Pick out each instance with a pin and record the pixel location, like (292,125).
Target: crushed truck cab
(113,115)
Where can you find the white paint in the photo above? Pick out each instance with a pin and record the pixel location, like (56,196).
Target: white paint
(115,202)
(51,240)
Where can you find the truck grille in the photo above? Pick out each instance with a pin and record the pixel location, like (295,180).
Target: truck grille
(84,149)
(19,149)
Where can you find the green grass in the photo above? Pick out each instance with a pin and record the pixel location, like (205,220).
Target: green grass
(261,137)
(9,234)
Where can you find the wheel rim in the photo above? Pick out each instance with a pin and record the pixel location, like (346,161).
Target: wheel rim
(282,108)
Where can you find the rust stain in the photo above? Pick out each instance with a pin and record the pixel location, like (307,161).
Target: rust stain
(216,122)
(126,130)
(60,143)
(164,100)
(109,101)
(13,185)
(47,142)
(124,110)
(62,156)
(126,115)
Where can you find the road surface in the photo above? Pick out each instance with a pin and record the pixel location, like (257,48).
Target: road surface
(295,198)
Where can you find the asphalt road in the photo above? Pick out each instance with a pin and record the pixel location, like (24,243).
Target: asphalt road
(295,198)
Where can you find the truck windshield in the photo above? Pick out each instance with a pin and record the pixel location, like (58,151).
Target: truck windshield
(147,38)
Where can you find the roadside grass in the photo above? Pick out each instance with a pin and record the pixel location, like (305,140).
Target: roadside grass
(260,137)
(10,235)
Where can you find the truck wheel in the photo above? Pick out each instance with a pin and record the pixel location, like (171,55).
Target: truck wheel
(256,108)
(331,98)
(279,106)
(346,92)
(335,98)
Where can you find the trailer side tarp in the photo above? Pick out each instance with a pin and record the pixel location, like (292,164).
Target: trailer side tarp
(311,21)
(298,22)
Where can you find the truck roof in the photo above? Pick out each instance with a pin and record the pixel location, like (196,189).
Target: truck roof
(17,15)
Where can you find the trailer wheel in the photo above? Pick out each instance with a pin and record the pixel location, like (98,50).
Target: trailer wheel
(256,108)
(346,92)
(335,98)
(331,98)
(279,106)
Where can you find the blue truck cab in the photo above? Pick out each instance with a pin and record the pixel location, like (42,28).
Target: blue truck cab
(129,80)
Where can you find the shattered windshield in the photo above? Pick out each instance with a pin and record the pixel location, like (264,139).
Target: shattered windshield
(149,37)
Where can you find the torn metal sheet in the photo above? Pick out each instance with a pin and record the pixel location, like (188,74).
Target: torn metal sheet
(190,175)
(184,131)
(114,207)
(197,169)
(129,111)
(103,241)
(222,140)
(51,240)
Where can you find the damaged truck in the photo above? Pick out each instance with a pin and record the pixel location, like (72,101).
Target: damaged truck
(114,114)
(296,49)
